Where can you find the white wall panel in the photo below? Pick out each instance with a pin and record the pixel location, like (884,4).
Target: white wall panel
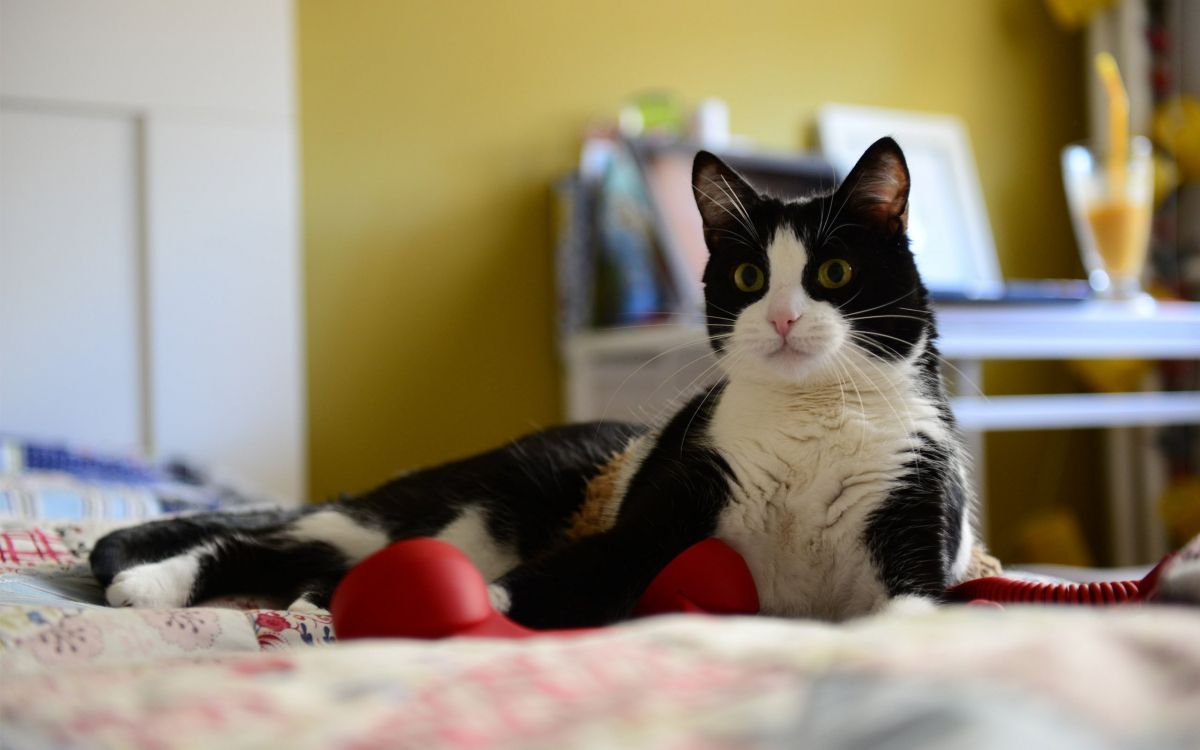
(69,278)
(224,299)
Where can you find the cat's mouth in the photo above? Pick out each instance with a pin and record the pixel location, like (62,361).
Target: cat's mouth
(792,358)
(791,350)
(787,351)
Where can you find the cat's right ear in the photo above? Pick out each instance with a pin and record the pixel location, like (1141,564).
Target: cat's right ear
(877,188)
(725,200)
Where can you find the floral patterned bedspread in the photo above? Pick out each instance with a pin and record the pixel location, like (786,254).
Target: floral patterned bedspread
(75,675)
(52,613)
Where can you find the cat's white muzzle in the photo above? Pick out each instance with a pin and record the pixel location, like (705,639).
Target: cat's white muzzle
(808,352)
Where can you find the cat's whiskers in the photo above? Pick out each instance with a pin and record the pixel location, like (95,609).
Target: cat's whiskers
(882,387)
(862,429)
(885,304)
(907,426)
(852,298)
(687,315)
(727,312)
(863,337)
(694,380)
(841,384)
(978,389)
(970,381)
(881,317)
(699,408)
(608,404)
(672,324)
(945,362)
(718,360)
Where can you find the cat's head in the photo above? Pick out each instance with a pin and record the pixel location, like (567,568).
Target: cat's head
(812,288)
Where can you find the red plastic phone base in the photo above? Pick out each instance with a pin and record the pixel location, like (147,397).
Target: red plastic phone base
(425,588)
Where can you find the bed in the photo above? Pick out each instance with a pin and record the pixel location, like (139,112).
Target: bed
(239,673)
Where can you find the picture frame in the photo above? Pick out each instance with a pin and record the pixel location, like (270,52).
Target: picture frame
(948,222)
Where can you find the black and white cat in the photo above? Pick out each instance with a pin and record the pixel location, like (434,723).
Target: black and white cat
(827,455)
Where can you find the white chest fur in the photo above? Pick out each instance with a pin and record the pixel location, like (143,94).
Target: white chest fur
(810,467)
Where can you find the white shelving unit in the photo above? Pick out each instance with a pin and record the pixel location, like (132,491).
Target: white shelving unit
(1075,411)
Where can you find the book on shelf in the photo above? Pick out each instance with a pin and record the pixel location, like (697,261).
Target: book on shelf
(630,248)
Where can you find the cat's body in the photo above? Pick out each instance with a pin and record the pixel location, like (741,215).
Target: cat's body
(827,455)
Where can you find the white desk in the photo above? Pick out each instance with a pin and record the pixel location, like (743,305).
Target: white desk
(971,334)
(635,373)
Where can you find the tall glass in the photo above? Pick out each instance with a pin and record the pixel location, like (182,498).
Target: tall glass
(1110,207)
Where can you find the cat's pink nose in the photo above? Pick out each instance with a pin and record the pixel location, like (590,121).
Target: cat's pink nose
(783,323)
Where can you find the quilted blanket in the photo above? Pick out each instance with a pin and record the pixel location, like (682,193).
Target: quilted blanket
(52,612)
(73,674)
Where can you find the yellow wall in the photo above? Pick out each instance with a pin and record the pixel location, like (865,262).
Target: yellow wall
(431,131)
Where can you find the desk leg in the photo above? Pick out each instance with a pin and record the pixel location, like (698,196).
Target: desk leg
(1153,467)
(1123,520)
(965,378)
(1136,480)
(1137,477)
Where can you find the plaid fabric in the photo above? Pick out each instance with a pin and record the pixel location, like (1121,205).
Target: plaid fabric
(33,547)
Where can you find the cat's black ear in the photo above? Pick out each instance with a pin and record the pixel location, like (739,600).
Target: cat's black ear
(725,200)
(877,188)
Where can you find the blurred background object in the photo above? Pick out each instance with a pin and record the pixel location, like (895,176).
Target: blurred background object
(1110,187)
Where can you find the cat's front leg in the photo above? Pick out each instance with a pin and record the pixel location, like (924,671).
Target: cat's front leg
(594,581)
(672,502)
(914,540)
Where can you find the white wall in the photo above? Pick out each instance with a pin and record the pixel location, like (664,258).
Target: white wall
(149,243)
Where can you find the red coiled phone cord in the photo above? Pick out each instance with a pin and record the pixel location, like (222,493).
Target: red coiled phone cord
(1011,590)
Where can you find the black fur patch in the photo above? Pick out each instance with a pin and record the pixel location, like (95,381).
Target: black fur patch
(914,536)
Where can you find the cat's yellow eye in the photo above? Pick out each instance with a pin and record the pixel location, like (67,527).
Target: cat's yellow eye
(748,277)
(834,273)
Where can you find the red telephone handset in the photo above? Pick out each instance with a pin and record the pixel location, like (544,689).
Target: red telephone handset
(425,588)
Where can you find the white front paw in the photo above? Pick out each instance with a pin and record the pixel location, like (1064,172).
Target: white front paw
(500,598)
(161,585)
(909,604)
(304,605)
